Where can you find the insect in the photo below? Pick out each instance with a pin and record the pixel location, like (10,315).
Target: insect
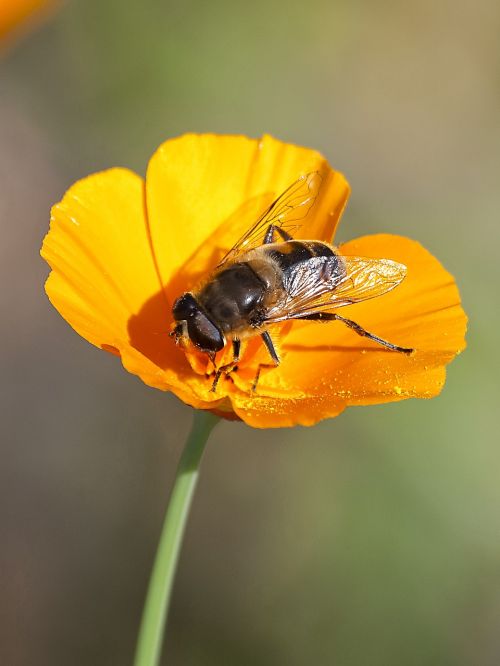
(268,277)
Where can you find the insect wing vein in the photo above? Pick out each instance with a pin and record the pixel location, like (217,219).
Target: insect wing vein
(285,212)
(313,288)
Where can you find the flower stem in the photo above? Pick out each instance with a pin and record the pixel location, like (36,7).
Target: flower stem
(155,611)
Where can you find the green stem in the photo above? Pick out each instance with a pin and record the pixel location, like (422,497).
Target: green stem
(155,611)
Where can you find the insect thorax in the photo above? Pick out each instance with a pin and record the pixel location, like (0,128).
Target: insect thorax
(234,297)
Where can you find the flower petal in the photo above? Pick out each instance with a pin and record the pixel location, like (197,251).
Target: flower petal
(423,313)
(98,249)
(263,412)
(104,281)
(204,191)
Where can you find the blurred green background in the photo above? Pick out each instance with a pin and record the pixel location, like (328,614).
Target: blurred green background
(369,540)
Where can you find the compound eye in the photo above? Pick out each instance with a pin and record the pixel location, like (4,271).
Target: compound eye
(204,334)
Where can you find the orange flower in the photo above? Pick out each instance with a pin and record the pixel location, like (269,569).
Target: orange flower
(17,13)
(122,250)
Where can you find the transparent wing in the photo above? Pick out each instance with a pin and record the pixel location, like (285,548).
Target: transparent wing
(327,283)
(285,212)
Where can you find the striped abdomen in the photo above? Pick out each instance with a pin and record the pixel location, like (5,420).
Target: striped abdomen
(291,253)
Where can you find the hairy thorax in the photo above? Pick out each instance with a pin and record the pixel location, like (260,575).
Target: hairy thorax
(238,296)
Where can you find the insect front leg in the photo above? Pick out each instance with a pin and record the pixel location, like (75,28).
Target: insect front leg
(269,236)
(332,316)
(272,352)
(229,367)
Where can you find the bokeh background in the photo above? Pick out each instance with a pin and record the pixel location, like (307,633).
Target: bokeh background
(369,540)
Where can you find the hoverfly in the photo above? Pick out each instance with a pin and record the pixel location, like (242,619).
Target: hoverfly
(268,277)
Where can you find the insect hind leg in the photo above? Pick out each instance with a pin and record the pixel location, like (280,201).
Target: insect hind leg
(332,316)
(266,338)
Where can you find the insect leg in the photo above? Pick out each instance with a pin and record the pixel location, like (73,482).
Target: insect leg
(269,237)
(272,352)
(270,347)
(236,350)
(229,367)
(331,316)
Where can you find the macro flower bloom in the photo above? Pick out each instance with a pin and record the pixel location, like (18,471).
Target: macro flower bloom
(123,249)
